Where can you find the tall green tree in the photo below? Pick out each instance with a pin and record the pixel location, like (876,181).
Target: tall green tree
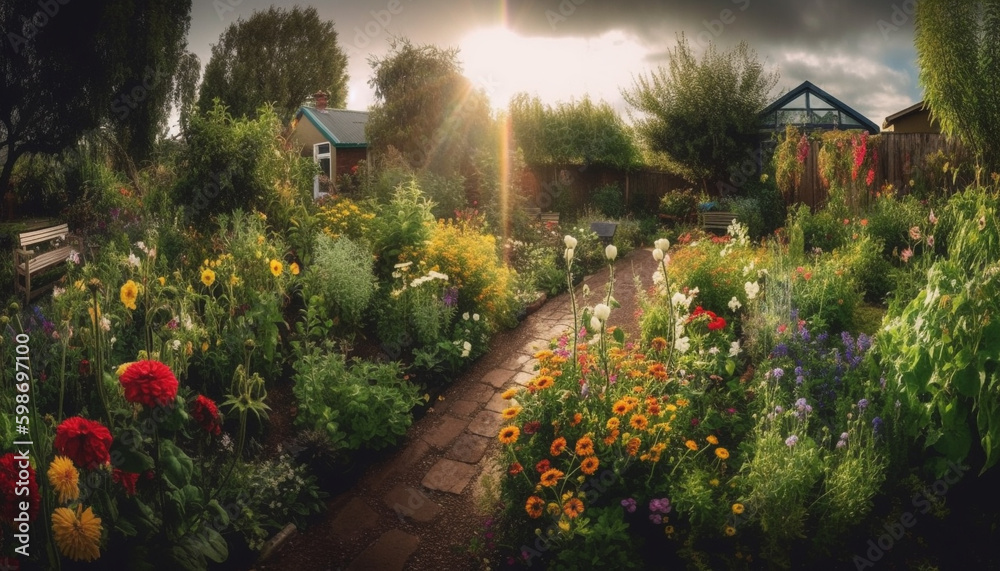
(277,57)
(426,109)
(65,67)
(577,132)
(703,115)
(958,52)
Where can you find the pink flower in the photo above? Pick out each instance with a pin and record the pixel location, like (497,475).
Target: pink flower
(906,255)
(914,232)
(871,177)
(932,218)
(930,240)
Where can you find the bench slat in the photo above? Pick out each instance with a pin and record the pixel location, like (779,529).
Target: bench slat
(45,260)
(43,235)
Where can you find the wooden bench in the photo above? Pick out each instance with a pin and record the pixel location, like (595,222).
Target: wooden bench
(537,214)
(39,250)
(715,220)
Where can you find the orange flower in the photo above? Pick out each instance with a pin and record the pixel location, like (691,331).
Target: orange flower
(577,419)
(633,446)
(509,434)
(551,478)
(515,469)
(544,382)
(722,453)
(658,344)
(638,422)
(573,508)
(558,445)
(864,222)
(712,440)
(534,507)
(584,446)
(620,408)
(691,444)
(589,465)
(509,413)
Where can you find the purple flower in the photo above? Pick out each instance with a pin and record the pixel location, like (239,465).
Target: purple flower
(799,371)
(778,373)
(780,351)
(843,436)
(799,380)
(801,404)
(656,518)
(660,505)
(877,424)
(791,441)
(778,409)
(450,297)
(841,443)
(862,404)
(629,505)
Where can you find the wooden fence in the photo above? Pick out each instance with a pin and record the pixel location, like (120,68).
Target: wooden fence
(903,157)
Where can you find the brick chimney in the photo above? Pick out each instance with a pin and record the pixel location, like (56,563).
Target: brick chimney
(321,98)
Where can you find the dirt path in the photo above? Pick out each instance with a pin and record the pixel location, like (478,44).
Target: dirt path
(422,507)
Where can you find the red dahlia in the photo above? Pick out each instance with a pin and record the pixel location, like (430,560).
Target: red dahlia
(126,479)
(85,442)
(9,499)
(205,412)
(149,383)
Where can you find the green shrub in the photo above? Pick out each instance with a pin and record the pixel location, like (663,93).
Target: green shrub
(402,223)
(609,200)
(363,405)
(748,211)
(341,277)
(864,262)
(889,221)
(681,204)
(770,203)
(820,229)
(825,293)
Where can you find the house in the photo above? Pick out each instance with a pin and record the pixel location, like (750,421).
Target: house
(334,138)
(914,119)
(810,108)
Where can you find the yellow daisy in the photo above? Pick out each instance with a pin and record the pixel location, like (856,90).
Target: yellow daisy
(509,434)
(77,534)
(64,478)
(129,293)
(207,277)
(294,268)
(276,268)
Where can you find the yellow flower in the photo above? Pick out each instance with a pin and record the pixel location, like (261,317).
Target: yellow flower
(233,280)
(714,482)
(669,530)
(77,534)
(204,346)
(509,394)
(722,453)
(730,530)
(738,509)
(509,434)
(691,444)
(613,423)
(121,368)
(639,422)
(129,293)
(162,280)
(712,439)
(78,284)
(207,277)
(509,413)
(64,478)
(276,268)
(260,239)
(294,268)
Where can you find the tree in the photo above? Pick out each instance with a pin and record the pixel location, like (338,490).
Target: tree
(703,115)
(958,43)
(426,109)
(277,57)
(578,132)
(64,67)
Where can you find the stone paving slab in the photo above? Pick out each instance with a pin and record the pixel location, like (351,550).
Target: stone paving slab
(388,553)
(463,408)
(497,403)
(443,434)
(354,517)
(487,423)
(468,448)
(409,502)
(497,377)
(514,363)
(449,476)
(523,378)
(529,366)
(477,392)
(412,454)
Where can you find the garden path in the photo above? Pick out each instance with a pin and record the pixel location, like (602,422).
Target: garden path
(424,507)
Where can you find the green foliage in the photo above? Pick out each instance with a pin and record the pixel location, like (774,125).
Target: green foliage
(956,51)
(770,202)
(235,163)
(890,219)
(361,406)
(864,262)
(609,200)
(607,544)
(937,348)
(275,57)
(581,133)
(681,204)
(426,109)
(820,229)
(825,294)
(400,224)
(749,212)
(704,114)
(789,160)
(340,280)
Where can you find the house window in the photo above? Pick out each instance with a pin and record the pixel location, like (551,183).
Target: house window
(322,155)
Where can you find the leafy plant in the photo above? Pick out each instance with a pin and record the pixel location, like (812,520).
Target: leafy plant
(341,279)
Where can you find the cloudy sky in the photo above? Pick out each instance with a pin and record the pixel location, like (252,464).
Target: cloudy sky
(858,51)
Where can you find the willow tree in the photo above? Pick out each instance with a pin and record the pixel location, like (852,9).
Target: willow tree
(958,52)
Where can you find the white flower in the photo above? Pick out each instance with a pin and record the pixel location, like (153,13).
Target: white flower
(713,351)
(113,339)
(682,344)
(57,291)
(657,254)
(602,311)
(74,257)
(402,265)
(662,244)
(437,276)
(734,304)
(465,316)
(595,323)
(175,344)
(475,317)
(611,252)
(752,289)
(466,349)
(569,241)
(734,348)
(680,299)
(142,246)
(586,290)
(105,323)
(569,255)
(762,272)
(133,259)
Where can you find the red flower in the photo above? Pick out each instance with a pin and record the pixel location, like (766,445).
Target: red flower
(717,324)
(9,487)
(85,442)
(205,412)
(149,383)
(84,368)
(515,469)
(127,480)
(543,466)
(532,427)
